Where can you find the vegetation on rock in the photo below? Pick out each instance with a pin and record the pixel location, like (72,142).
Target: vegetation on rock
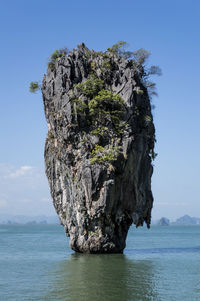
(34,87)
(106,108)
(139,59)
(98,107)
(104,155)
(55,56)
(91,86)
(100,144)
(104,113)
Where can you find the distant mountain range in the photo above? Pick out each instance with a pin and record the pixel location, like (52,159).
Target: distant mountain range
(7,219)
(184,220)
(188,220)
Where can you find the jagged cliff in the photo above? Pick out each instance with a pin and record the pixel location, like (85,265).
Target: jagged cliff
(99,147)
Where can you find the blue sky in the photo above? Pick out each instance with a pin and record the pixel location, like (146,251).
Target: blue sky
(32,30)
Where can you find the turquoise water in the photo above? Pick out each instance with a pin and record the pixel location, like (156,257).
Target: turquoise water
(36,263)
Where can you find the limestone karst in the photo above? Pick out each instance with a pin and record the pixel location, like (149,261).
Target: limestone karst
(99,147)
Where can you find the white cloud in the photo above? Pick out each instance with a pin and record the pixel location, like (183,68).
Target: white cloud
(20,172)
(23,190)
(25,200)
(45,200)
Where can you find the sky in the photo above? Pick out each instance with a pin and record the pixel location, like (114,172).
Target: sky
(31,30)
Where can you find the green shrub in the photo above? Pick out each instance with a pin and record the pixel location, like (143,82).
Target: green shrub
(51,65)
(104,110)
(55,56)
(34,87)
(102,154)
(91,86)
(106,107)
(58,53)
(119,48)
(100,131)
(97,53)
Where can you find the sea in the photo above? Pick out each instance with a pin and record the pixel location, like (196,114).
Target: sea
(36,263)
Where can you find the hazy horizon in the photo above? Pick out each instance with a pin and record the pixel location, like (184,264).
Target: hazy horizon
(43,216)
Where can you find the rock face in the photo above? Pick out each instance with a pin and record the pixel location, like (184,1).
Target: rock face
(99,148)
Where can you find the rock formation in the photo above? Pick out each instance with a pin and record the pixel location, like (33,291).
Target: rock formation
(99,147)
(164,222)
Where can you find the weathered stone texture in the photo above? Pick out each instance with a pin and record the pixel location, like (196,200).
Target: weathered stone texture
(97,203)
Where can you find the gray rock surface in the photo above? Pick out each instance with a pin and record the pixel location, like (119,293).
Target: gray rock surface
(98,201)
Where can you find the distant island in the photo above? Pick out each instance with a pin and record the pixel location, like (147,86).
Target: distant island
(6,219)
(184,220)
(187,220)
(164,222)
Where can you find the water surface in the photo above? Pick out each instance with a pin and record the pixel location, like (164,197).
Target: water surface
(36,263)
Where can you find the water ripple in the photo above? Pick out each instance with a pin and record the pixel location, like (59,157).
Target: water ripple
(163,250)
